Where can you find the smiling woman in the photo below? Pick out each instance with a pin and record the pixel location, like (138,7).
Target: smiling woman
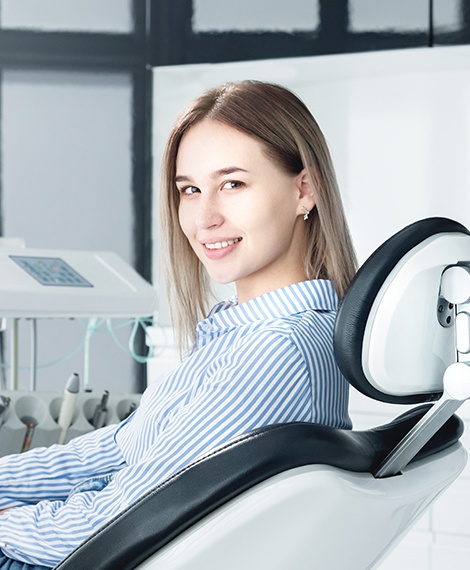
(244,165)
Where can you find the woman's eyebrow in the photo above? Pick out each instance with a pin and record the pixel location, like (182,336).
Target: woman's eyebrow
(227,170)
(182,179)
(216,174)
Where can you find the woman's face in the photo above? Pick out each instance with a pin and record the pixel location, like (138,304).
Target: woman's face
(241,213)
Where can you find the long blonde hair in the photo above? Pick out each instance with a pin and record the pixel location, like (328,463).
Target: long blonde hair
(290,137)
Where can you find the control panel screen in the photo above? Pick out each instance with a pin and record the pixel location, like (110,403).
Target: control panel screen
(51,271)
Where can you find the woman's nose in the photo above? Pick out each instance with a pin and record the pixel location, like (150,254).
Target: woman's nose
(208,213)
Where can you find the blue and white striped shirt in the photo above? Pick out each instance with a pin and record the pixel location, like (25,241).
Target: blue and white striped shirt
(265,361)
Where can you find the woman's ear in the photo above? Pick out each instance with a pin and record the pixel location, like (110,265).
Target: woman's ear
(306,192)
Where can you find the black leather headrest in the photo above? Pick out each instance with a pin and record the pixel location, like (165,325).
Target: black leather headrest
(356,305)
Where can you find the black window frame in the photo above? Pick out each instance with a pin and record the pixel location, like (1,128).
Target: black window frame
(109,53)
(106,52)
(173,41)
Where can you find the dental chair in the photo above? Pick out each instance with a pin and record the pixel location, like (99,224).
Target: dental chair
(303,496)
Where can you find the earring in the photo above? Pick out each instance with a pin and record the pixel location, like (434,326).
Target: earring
(306,212)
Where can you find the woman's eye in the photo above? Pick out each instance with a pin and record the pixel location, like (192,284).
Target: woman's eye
(232,184)
(188,190)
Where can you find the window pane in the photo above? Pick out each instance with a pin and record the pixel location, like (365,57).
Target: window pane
(108,16)
(384,15)
(447,15)
(262,15)
(67,184)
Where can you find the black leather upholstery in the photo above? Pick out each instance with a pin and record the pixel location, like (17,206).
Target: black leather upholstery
(357,303)
(191,494)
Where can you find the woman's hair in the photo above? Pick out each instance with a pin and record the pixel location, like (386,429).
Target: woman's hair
(292,139)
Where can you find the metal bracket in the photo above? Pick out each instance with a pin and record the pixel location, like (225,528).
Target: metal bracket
(456,391)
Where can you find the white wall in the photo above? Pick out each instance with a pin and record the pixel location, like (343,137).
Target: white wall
(398,124)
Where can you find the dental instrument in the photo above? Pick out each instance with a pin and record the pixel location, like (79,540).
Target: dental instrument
(99,417)
(4,405)
(68,405)
(31,424)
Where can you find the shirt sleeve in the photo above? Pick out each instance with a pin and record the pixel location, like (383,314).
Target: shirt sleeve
(52,472)
(256,383)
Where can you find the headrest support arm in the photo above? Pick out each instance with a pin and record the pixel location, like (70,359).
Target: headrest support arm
(455,291)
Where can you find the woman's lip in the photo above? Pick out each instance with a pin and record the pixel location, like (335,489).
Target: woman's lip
(220,252)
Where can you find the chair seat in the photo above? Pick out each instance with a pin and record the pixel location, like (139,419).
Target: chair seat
(291,520)
(214,480)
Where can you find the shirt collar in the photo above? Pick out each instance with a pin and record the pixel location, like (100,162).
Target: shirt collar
(316,295)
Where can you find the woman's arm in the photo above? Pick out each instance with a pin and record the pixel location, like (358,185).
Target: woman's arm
(50,473)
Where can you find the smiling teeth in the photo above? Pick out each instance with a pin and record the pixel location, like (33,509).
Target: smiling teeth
(221,244)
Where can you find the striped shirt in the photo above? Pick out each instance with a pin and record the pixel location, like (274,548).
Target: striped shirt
(265,361)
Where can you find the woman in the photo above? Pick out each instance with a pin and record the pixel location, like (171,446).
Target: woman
(248,196)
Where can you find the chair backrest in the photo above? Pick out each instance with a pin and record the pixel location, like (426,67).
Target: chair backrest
(395,337)
(389,341)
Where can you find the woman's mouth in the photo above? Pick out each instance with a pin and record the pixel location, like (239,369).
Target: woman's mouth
(220,249)
(221,244)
